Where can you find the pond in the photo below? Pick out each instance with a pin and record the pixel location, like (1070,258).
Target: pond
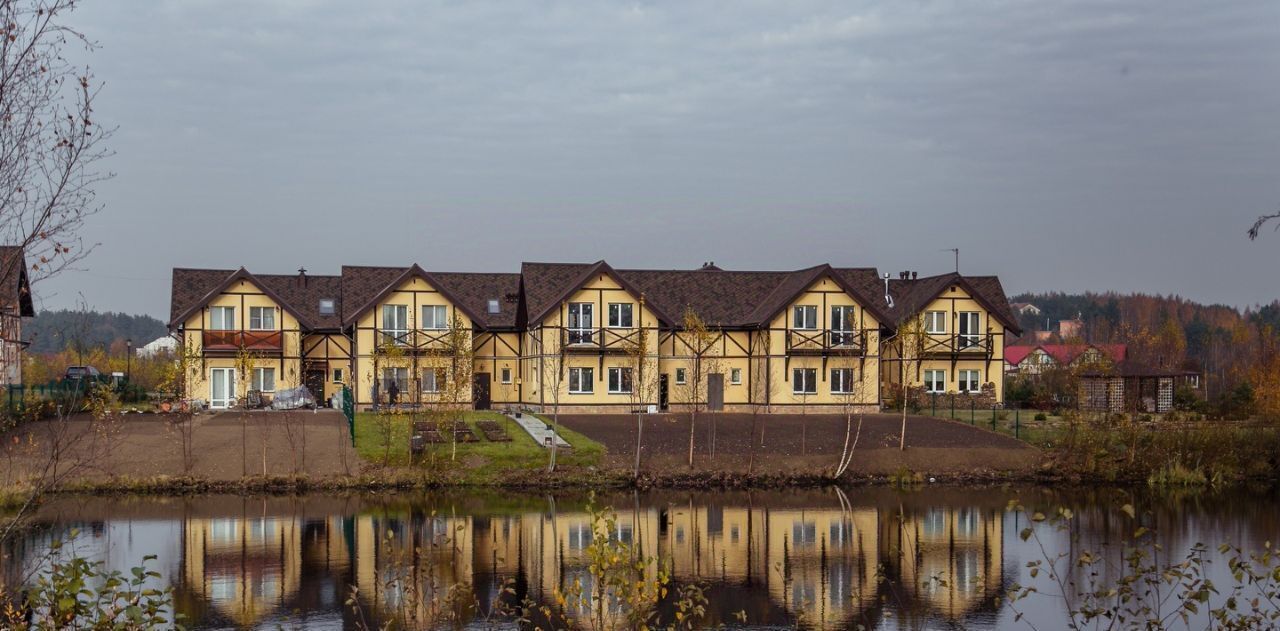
(932,557)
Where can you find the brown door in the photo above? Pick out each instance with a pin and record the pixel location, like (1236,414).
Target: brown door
(313,379)
(480,391)
(715,392)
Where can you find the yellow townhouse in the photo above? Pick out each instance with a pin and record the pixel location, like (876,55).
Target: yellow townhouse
(948,337)
(586,337)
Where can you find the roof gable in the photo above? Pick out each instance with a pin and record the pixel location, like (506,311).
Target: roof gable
(184,278)
(547,285)
(913,296)
(413,271)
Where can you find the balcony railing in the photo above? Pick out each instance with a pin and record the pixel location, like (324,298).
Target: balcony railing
(825,341)
(977,343)
(417,340)
(263,341)
(599,339)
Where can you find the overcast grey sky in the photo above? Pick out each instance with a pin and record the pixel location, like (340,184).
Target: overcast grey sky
(1064,146)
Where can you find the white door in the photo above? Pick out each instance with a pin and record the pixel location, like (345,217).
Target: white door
(222,387)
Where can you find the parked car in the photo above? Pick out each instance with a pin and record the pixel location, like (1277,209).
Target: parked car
(76,373)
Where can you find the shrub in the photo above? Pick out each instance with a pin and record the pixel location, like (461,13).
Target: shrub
(1041,416)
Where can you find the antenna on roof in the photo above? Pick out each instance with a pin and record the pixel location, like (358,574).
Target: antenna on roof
(956,251)
(888,299)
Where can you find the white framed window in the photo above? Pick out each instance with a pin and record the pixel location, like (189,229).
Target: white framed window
(337,375)
(620,380)
(842,325)
(222,318)
(581,381)
(432,379)
(680,376)
(935,322)
(264,379)
(395,323)
(968,323)
(435,317)
(620,315)
(581,316)
(804,317)
(506,375)
(969,380)
(262,318)
(735,376)
(842,380)
(327,306)
(935,381)
(804,380)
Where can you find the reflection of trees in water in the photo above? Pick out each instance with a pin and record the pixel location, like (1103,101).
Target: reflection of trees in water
(841,561)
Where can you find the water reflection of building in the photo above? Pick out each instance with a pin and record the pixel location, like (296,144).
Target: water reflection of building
(263,560)
(948,560)
(823,561)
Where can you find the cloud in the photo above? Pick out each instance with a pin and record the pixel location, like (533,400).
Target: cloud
(473,135)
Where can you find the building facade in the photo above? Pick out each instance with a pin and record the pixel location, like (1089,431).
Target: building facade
(588,337)
(15,305)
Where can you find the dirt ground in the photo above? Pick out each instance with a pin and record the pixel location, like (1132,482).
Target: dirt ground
(793,443)
(224,446)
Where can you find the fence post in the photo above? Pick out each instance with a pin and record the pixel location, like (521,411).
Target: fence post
(973,410)
(953,407)
(933,402)
(1016,427)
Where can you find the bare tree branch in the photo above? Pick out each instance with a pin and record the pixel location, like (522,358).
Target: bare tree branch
(1257,225)
(50,141)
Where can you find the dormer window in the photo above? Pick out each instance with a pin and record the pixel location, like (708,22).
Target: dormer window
(494,306)
(327,306)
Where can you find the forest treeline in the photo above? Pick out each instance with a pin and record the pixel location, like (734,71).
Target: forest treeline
(1229,346)
(53,331)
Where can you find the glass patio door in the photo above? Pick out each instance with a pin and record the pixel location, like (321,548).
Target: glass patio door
(222,388)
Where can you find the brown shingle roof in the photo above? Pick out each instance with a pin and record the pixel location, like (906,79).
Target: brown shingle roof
(474,291)
(361,284)
(190,286)
(721,298)
(305,297)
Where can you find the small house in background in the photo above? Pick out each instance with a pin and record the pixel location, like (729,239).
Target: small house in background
(1033,359)
(1132,387)
(15,304)
(161,345)
(1025,308)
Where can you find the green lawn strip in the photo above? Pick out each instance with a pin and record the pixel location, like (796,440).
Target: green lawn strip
(521,453)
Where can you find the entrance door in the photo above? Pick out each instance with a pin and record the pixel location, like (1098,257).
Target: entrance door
(314,379)
(715,392)
(222,388)
(664,393)
(480,391)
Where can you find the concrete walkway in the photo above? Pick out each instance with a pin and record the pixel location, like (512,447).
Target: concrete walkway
(540,431)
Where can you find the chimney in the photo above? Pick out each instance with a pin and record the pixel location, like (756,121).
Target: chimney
(913,275)
(302,277)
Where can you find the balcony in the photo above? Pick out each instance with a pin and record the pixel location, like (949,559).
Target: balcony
(963,344)
(606,339)
(417,341)
(233,341)
(825,342)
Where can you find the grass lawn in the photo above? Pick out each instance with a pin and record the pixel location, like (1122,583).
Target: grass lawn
(483,460)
